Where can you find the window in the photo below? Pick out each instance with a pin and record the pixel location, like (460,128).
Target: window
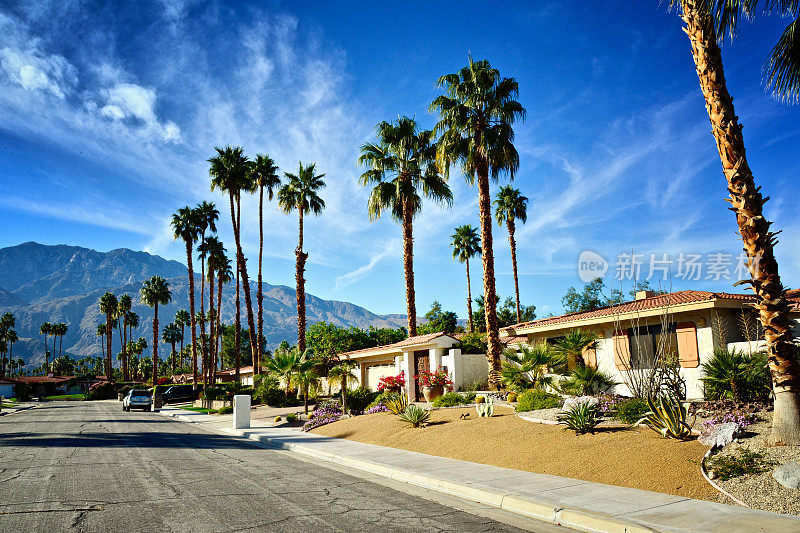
(649,342)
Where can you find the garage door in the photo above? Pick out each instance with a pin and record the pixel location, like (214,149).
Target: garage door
(376,372)
(7,390)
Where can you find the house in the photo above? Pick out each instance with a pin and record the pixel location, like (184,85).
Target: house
(47,385)
(245,375)
(415,354)
(685,324)
(8,388)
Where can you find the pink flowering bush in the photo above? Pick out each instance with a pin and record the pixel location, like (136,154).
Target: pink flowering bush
(433,379)
(392,382)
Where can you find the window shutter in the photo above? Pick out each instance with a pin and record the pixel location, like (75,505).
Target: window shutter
(590,357)
(622,350)
(687,344)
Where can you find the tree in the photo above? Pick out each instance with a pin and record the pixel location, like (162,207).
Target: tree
(155,291)
(305,377)
(643,285)
(101,332)
(123,312)
(572,345)
(745,197)
(224,275)
(591,297)
(182,319)
(171,334)
(510,205)
(230,172)
(45,329)
(206,215)
(506,314)
(475,119)
(210,248)
(532,366)
(402,168)
(300,193)
(466,245)
(439,320)
(108,305)
(343,372)
(264,173)
(184,226)
(284,364)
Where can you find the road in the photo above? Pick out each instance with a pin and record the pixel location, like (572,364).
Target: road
(89,466)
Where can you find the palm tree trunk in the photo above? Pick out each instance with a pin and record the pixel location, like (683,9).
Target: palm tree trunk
(218,348)
(103,348)
(758,240)
(237,331)
(60,344)
(246,285)
(109,335)
(182,344)
(408,268)
(489,291)
(173,357)
(212,341)
(513,244)
(155,343)
(301,287)
(203,347)
(260,290)
(469,300)
(191,312)
(124,346)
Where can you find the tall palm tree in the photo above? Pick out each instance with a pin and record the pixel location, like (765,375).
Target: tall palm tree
(510,205)
(62,329)
(123,310)
(133,323)
(212,249)
(10,337)
(745,197)
(206,215)
(402,169)
(224,275)
(45,329)
(101,332)
(7,334)
(182,319)
(230,172)
(155,291)
(108,305)
(343,372)
(171,334)
(475,119)
(300,193)
(466,244)
(184,226)
(264,173)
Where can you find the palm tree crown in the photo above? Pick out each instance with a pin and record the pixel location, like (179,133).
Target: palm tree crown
(300,192)
(466,243)
(510,205)
(264,174)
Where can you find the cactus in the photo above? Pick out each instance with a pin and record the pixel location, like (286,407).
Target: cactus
(486,409)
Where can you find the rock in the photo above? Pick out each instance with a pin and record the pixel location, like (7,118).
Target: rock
(578,400)
(788,475)
(719,435)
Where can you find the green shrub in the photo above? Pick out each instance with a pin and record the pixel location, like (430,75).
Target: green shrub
(512,397)
(472,343)
(381,398)
(745,462)
(360,398)
(450,399)
(733,374)
(291,418)
(535,399)
(103,390)
(225,410)
(415,416)
(478,384)
(213,393)
(586,380)
(632,410)
(581,417)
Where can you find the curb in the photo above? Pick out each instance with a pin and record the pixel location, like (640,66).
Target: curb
(540,510)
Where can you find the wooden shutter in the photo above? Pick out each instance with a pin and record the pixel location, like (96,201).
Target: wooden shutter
(622,350)
(590,357)
(687,345)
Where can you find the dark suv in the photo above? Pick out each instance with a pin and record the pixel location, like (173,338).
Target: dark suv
(180,393)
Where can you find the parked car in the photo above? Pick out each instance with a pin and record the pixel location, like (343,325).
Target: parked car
(180,393)
(138,399)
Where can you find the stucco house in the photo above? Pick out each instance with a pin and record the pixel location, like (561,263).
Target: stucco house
(245,375)
(415,354)
(687,323)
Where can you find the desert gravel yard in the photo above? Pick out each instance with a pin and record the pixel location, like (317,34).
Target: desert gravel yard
(637,458)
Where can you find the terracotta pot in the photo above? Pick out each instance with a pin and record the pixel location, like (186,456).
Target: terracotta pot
(432,392)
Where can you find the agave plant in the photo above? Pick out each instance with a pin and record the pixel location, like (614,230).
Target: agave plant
(485,410)
(581,418)
(396,403)
(415,416)
(668,418)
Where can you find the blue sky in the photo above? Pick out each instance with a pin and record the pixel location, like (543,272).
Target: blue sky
(109,111)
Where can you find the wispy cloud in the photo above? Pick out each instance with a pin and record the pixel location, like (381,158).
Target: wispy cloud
(391,247)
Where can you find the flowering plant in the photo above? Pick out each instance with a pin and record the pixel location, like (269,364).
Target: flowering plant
(378,408)
(392,382)
(741,419)
(325,413)
(433,379)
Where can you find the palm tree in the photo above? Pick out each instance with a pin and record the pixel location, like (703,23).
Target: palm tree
(155,291)
(572,346)
(230,172)
(343,372)
(184,226)
(475,126)
(402,168)
(206,215)
(101,332)
(509,206)
(305,377)
(216,255)
(466,244)
(745,197)
(182,318)
(171,334)
(45,329)
(123,310)
(284,364)
(11,338)
(133,323)
(532,366)
(300,193)
(264,173)
(7,333)
(224,275)
(108,305)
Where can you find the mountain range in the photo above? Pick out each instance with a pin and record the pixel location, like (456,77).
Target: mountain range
(42,283)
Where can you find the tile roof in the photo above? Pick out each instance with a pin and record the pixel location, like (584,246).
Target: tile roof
(44,379)
(654,302)
(411,341)
(232,371)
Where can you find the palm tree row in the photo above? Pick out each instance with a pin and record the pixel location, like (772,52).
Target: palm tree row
(57,330)
(8,336)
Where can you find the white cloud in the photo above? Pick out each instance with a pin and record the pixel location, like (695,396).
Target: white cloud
(391,247)
(131,101)
(35,71)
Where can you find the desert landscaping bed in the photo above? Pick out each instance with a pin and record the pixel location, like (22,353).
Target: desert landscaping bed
(615,455)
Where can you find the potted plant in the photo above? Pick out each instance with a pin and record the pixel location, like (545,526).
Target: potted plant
(393,384)
(433,383)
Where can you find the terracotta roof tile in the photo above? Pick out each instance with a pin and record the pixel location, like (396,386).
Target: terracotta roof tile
(411,341)
(655,302)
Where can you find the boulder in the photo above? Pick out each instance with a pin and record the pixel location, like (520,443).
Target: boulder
(578,400)
(719,435)
(788,475)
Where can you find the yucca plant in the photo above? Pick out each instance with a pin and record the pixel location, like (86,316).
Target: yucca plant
(415,416)
(581,417)
(668,417)
(396,403)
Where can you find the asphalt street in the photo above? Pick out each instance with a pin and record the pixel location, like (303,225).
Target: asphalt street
(89,466)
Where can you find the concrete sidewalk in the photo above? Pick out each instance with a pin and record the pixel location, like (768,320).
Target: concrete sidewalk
(569,502)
